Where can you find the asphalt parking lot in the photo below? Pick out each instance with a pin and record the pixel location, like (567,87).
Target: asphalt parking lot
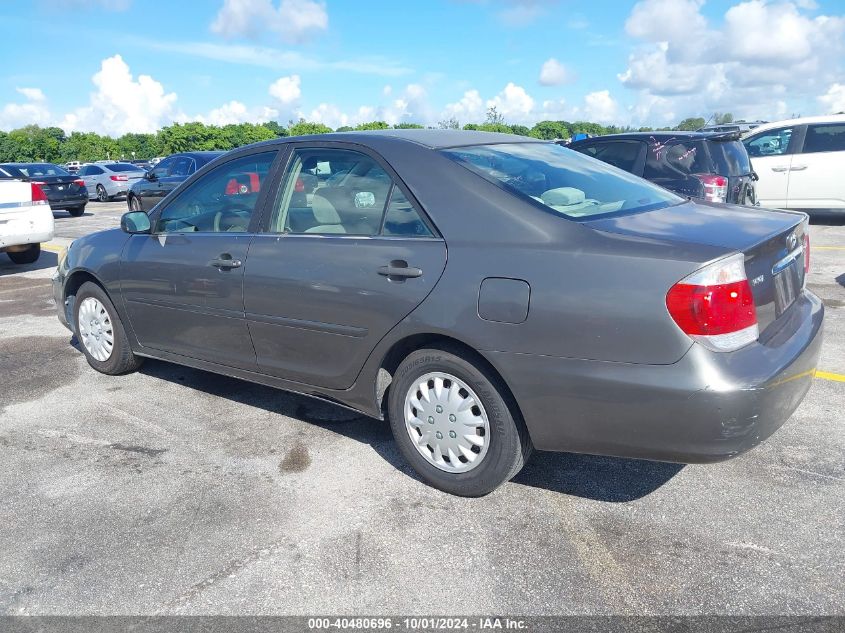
(174,491)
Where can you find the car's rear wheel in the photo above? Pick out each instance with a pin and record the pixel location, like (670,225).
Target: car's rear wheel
(102,194)
(454,424)
(76,211)
(29,256)
(100,332)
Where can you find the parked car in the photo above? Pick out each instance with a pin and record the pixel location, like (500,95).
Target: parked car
(25,219)
(142,164)
(580,308)
(713,167)
(106,181)
(737,126)
(164,177)
(801,163)
(63,189)
(73,166)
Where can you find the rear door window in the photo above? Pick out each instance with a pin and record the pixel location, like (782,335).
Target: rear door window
(621,154)
(824,138)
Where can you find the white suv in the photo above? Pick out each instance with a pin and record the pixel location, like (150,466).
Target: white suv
(25,219)
(800,163)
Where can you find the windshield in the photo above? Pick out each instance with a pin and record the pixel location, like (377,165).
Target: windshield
(563,180)
(41,169)
(123,167)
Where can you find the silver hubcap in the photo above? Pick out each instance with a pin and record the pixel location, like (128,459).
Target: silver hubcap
(447,422)
(95,329)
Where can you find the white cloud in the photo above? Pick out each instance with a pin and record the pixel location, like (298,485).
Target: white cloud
(236,112)
(833,100)
(470,108)
(33,111)
(553,73)
(286,89)
(123,104)
(762,55)
(519,13)
(514,103)
(293,20)
(387,90)
(600,107)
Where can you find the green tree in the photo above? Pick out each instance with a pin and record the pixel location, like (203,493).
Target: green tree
(304,127)
(550,130)
(449,124)
(345,128)
(373,125)
(277,129)
(522,130)
(408,126)
(722,119)
(493,117)
(690,124)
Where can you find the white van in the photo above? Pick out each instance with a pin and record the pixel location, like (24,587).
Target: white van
(800,163)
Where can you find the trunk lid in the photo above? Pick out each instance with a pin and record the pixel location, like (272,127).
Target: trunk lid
(14,194)
(772,242)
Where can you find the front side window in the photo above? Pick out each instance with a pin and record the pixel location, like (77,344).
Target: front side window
(563,181)
(770,143)
(337,191)
(221,201)
(621,154)
(163,168)
(181,166)
(824,138)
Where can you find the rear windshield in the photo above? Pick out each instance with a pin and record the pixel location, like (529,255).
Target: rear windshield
(562,180)
(730,158)
(123,167)
(34,170)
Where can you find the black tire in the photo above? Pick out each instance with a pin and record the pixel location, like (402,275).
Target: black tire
(29,256)
(510,445)
(76,211)
(134,204)
(102,196)
(122,360)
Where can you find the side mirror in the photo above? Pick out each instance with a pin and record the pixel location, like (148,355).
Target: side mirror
(135,222)
(150,175)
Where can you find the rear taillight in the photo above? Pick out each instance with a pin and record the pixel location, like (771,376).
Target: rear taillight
(79,182)
(715,187)
(119,177)
(715,306)
(38,196)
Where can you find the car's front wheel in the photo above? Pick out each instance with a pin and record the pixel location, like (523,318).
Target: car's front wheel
(134,203)
(29,256)
(454,424)
(100,332)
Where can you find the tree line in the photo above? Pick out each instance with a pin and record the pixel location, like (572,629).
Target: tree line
(52,144)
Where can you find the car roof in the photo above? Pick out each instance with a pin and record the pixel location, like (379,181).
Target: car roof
(828,118)
(658,136)
(434,139)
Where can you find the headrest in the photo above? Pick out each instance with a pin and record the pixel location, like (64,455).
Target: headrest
(563,196)
(324,211)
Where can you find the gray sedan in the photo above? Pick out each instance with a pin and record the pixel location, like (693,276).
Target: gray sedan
(515,293)
(107,181)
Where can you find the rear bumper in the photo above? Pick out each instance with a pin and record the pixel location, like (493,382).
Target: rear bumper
(706,407)
(68,201)
(29,225)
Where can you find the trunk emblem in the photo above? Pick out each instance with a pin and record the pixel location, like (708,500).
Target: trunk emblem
(757,280)
(791,241)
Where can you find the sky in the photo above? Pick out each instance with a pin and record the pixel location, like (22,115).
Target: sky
(118,66)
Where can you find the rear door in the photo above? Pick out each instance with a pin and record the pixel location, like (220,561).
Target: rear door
(183,284)
(771,158)
(346,253)
(818,168)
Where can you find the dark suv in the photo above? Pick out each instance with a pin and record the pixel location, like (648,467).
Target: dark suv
(159,181)
(712,167)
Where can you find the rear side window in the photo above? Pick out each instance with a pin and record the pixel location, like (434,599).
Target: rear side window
(675,159)
(730,158)
(769,143)
(119,167)
(824,138)
(621,154)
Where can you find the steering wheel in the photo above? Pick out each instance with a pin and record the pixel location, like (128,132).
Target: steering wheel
(231,217)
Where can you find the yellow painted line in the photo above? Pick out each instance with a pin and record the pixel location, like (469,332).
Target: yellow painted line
(53,248)
(828,375)
(827,248)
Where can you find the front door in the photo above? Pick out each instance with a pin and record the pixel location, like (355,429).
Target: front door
(771,158)
(183,285)
(345,256)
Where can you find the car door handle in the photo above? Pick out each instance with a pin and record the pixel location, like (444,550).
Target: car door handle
(780,168)
(400,269)
(798,168)
(225,262)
